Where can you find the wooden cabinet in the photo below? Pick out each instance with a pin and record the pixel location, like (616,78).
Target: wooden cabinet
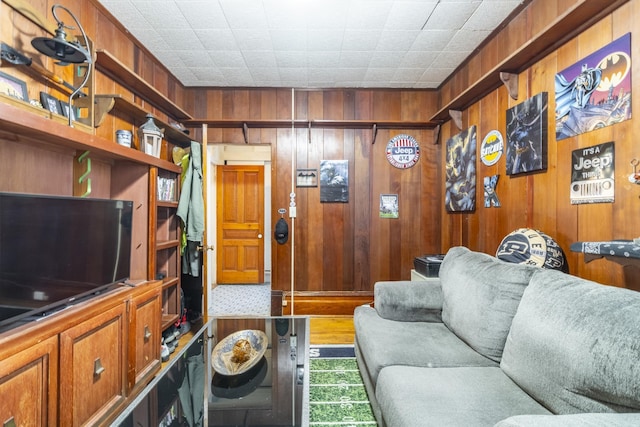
(144,337)
(82,365)
(92,361)
(28,385)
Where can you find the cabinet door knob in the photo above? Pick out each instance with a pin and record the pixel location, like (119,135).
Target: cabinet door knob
(97,367)
(11,422)
(147,333)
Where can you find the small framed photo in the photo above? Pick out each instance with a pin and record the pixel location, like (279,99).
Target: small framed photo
(50,103)
(306,177)
(66,110)
(13,87)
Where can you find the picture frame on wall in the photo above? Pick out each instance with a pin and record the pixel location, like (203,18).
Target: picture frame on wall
(50,103)
(306,177)
(334,181)
(527,135)
(13,87)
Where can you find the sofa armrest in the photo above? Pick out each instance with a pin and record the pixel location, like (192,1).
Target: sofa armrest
(573,420)
(409,301)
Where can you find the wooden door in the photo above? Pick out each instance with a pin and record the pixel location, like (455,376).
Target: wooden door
(240,224)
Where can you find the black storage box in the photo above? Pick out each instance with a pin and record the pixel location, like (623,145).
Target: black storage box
(428,265)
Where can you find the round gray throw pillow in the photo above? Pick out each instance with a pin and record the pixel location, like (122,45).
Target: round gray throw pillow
(532,247)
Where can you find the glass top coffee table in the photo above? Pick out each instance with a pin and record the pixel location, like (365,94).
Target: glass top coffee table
(271,393)
(189,392)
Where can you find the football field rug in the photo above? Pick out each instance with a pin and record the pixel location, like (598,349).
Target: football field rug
(337,396)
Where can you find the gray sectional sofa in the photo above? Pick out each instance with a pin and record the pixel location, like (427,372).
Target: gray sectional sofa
(490,343)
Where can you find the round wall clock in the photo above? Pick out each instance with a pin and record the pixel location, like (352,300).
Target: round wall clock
(403,151)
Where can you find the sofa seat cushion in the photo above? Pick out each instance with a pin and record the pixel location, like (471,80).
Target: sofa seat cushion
(384,342)
(480,297)
(574,345)
(574,420)
(452,397)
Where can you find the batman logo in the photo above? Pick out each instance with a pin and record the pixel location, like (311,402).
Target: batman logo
(615,67)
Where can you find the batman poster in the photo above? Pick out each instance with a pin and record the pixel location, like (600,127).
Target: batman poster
(596,91)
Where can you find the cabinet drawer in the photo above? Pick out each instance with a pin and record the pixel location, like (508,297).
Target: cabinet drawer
(92,368)
(144,338)
(28,385)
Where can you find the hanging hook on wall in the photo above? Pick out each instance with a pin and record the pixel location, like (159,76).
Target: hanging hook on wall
(634,178)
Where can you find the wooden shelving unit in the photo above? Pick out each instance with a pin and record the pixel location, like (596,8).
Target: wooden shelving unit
(110,65)
(107,102)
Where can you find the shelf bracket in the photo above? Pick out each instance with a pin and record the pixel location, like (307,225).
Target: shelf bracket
(245,132)
(510,81)
(374,130)
(436,133)
(456,116)
(102,106)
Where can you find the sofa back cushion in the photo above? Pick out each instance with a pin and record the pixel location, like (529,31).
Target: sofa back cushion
(480,297)
(574,345)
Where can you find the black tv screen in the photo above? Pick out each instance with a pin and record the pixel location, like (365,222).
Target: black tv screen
(56,250)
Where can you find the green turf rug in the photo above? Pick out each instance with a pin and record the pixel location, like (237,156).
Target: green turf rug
(336,394)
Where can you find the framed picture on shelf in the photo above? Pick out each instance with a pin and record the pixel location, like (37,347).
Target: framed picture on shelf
(50,103)
(66,110)
(13,87)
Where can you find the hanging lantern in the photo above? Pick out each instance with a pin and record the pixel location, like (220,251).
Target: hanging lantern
(150,137)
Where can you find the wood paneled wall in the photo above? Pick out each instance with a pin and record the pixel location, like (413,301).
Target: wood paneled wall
(341,247)
(541,200)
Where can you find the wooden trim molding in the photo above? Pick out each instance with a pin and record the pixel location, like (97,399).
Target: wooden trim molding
(325,303)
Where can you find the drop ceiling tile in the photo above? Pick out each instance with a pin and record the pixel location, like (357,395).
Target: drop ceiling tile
(253,39)
(244,14)
(418,59)
(203,15)
(391,40)
(323,59)
(168,15)
(363,15)
(216,39)
(450,59)
(355,59)
(181,39)
(291,59)
(260,59)
(286,14)
(466,40)
(236,76)
(195,58)
(451,15)
(386,59)
(324,40)
(360,40)
(489,15)
(432,40)
(409,15)
(288,39)
(228,58)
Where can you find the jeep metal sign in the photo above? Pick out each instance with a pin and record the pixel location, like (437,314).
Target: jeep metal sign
(403,151)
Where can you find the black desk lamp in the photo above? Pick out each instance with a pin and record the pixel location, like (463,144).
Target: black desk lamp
(65,52)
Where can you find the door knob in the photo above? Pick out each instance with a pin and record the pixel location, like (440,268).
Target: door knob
(204,248)
(259,235)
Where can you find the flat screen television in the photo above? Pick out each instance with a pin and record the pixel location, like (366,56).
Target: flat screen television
(55,251)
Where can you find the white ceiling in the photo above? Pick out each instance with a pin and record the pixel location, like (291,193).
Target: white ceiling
(311,43)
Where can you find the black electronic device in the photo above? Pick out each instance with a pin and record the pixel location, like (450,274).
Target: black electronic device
(56,250)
